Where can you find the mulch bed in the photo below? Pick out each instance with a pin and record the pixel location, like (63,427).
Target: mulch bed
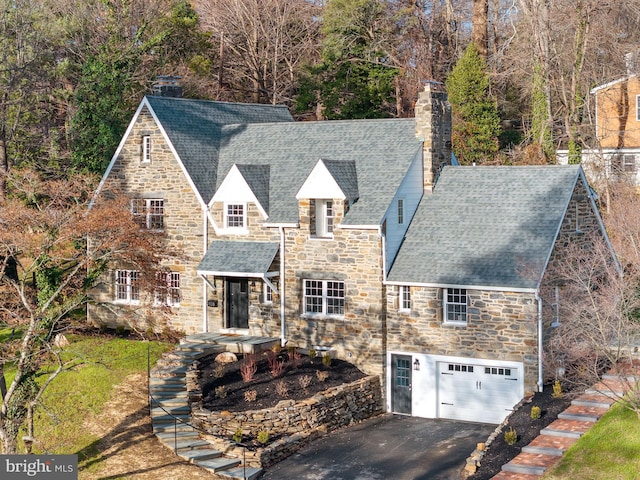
(527,429)
(296,372)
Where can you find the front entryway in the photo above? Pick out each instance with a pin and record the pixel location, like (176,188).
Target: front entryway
(401,390)
(237,303)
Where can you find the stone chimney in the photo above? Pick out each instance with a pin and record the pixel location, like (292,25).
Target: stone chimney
(167,86)
(433,127)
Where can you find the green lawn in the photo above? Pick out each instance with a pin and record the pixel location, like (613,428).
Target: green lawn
(610,450)
(81,392)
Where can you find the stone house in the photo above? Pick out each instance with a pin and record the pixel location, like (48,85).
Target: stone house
(335,235)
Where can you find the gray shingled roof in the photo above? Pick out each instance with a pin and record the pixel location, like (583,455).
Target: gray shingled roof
(486,226)
(238,258)
(346,176)
(194,126)
(382,151)
(257,177)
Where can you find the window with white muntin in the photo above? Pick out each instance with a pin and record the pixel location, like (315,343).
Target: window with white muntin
(126,287)
(168,289)
(148,212)
(404,298)
(146,149)
(455,305)
(400,211)
(267,293)
(235,216)
(323,297)
(325,216)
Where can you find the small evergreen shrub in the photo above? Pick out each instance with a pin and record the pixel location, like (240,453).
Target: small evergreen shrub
(263,437)
(312,353)
(326,359)
(237,436)
(536,412)
(510,437)
(557,389)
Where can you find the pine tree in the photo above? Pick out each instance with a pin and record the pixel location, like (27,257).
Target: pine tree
(476,123)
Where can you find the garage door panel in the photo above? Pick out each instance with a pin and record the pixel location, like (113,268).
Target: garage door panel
(475,392)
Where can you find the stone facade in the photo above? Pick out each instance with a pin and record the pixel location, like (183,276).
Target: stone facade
(162,178)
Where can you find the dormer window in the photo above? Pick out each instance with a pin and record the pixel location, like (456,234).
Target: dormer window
(235,216)
(324,218)
(146,149)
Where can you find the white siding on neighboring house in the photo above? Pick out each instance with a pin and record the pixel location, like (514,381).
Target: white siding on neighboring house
(607,163)
(410,192)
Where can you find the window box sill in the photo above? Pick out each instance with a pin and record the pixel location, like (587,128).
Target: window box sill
(455,324)
(321,316)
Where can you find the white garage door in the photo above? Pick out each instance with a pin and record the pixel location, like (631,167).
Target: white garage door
(477,392)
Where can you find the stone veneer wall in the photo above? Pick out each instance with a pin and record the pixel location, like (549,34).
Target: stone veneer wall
(500,326)
(162,178)
(298,421)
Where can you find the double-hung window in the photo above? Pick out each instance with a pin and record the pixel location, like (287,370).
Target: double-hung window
(404,297)
(168,289)
(455,305)
(324,218)
(127,289)
(235,215)
(148,212)
(400,211)
(267,293)
(146,149)
(324,297)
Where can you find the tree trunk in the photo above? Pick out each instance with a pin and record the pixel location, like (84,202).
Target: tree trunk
(480,33)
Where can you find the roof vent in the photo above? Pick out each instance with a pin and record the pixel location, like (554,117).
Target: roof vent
(167,86)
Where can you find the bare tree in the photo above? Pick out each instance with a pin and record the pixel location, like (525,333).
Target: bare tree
(598,306)
(46,273)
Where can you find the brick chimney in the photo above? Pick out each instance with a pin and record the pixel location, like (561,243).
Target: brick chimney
(167,86)
(433,127)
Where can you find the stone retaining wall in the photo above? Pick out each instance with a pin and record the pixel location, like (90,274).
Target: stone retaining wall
(299,421)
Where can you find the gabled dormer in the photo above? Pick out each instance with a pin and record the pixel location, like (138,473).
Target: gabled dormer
(242,195)
(326,195)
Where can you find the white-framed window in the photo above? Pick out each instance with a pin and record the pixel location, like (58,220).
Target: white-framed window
(455,305)
(400,211)
(267,293)
(624,163)
(126,288)
(146,149)
(148,212)
(324,218)
(168,289)
(324,297)
(235,215)
(404,297)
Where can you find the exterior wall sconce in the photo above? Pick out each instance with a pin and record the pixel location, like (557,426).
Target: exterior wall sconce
(416,364)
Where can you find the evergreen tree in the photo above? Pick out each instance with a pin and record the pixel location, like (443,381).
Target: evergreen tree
(476,123)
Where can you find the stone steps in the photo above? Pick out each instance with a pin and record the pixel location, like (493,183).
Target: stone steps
(170,412)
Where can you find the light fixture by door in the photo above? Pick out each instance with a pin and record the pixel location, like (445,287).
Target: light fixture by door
(416,364)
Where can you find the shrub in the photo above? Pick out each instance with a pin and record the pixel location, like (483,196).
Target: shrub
(296,358)
(322,375)
(312,353)
(237,436)
(250,395)
(220,391)
(536,412)
(248,368)
(277,369)
(263,437)
(281,388)
(326,359)
(218,370)
(511,437)
(557,389)
(304,382)
(275,348)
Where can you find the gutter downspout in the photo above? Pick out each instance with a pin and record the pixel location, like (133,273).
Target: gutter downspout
(540,370)
(205,236)
(283,339)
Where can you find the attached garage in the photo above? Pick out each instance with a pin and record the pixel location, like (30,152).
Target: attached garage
(432,386)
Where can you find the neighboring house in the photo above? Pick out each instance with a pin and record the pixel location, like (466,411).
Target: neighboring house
(335,235)
(617,155)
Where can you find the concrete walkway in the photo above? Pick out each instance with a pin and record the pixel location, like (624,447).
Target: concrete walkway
(546,449)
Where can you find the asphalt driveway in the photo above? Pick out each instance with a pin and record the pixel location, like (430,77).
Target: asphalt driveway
(386,447)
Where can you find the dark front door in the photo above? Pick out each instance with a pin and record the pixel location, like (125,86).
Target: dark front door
(237,303)
(401,384)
